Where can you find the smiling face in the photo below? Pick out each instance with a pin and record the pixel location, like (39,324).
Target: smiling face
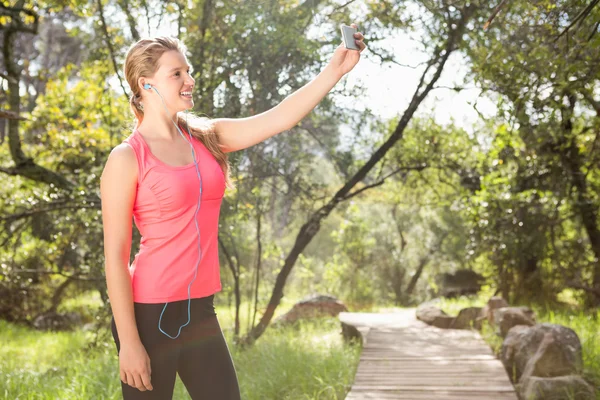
(172,80)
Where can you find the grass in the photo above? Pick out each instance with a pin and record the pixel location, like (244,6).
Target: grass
(306,361)
(585,324)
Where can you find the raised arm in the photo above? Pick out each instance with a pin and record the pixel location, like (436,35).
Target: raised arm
(240,133)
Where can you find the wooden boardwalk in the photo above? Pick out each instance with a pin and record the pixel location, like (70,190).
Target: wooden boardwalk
(404,358)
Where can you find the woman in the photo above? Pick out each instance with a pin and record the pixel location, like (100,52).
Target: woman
(170,176)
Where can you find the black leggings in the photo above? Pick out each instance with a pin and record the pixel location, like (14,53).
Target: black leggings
(200,354)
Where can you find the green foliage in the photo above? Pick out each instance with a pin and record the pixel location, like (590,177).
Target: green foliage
(306,361)
(510,198)
(534,218)
(71,131)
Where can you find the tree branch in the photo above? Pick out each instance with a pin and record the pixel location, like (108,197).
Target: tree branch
(51,207)
(8,78)
(382,181)
(496,11)
(125,6)
(580,17)
(385,58)
(110,46)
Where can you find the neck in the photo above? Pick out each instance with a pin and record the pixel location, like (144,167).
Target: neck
(157,124)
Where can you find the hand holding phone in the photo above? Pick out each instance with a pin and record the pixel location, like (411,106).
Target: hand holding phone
(348,35)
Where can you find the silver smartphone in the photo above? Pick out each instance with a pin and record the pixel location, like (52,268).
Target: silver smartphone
(348,35)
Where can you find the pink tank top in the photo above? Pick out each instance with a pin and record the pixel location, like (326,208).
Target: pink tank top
(163,212)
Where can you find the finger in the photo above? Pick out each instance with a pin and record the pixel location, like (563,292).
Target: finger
(361,45)
(146,381)
(129,379)
(138,383)
(123,377)
(354,25)
(358,35)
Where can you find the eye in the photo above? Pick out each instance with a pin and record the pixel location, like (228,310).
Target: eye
(177,73)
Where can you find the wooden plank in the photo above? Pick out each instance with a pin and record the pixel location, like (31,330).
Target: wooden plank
(403,358)
(430,395)
(465,358)
(441,388)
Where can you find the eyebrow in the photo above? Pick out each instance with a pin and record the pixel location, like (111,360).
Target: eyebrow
(176,68)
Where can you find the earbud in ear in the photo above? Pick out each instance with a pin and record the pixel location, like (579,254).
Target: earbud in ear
(147,86)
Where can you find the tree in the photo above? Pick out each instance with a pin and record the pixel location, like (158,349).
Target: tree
(543,68)
(457,20)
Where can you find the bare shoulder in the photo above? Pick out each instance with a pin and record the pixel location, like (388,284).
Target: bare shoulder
(118,182)
(122,153)
(121,163)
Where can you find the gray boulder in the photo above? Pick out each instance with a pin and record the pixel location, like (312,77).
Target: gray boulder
(493,304)
(467,318)
(551,359)
(507,317)
(434,316)
(553,350)
(311,307)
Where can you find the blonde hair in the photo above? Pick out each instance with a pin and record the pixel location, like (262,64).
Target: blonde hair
(142,61)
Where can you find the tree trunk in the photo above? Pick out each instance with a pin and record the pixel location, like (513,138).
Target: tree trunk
(422,264)
(235,272)
(258,261)
(415,278)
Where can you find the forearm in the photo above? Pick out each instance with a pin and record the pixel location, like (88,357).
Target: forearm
(297,105)
(240,133)
(120,294)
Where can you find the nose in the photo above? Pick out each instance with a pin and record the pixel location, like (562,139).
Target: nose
(190,80)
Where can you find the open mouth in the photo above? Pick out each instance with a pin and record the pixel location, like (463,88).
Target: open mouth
(187,95)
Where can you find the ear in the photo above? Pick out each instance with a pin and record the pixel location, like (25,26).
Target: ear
(141,82)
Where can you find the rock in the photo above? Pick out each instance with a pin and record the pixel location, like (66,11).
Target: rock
(528,312)
(467,318)
(312,306)
(507,317)
(434,316)
(462,282)
(523,342)
(351,334)
(570,387)
(550,360)
(508,353)
(56,321)
(435,302)
(493,304)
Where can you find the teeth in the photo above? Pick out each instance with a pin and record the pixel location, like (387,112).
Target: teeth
(186,93)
